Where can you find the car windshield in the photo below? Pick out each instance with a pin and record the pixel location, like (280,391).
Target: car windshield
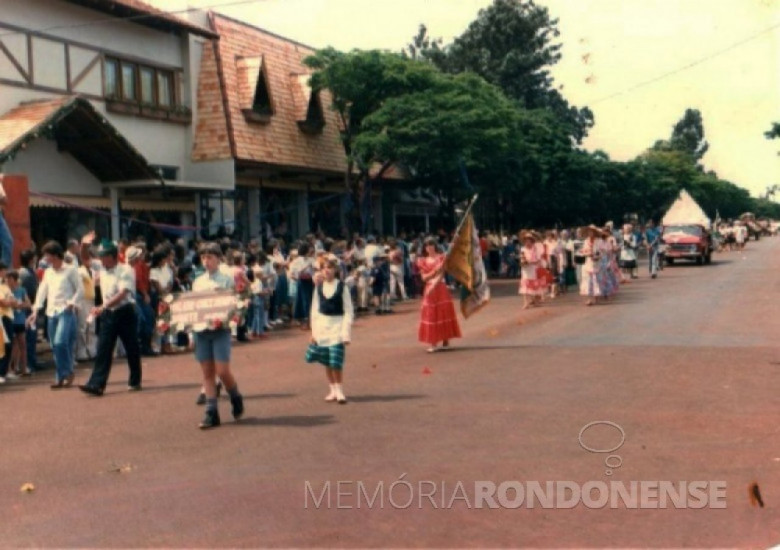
(693,230)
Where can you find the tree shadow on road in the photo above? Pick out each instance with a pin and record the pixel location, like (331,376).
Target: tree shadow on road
(304,421)
(384,398)
(170,387)
(478,348)
(270,396)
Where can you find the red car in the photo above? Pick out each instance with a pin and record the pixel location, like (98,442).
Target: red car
(687,242)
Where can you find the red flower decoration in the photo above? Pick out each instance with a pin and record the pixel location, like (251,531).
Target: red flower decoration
(164,327)
(162,308)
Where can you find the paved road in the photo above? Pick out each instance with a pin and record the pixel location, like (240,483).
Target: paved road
(687,365)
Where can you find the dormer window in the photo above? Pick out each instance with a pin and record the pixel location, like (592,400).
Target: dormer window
(254,90)
(262,101)
(315,120)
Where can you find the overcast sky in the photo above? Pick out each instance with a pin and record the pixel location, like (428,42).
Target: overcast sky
(719,56)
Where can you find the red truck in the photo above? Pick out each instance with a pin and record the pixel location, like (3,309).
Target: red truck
(687,242)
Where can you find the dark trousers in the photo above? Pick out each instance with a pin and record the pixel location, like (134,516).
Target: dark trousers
(122,324)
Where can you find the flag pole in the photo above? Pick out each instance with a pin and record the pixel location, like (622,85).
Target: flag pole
(462,221)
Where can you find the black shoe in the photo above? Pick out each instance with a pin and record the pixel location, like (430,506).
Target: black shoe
(238,406)
(201,399)
(91,390)
(210,420)
(136,387)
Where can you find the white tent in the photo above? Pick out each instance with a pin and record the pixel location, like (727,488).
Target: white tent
(685,211)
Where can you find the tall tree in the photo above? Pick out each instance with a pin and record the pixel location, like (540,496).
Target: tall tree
(511,44)
(687,137)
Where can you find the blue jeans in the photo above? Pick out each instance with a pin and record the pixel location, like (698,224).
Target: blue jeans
(6,242)
(653,261)
(145,322)
(62,337)
(257,315)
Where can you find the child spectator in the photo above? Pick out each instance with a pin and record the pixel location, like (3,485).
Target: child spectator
(21,309)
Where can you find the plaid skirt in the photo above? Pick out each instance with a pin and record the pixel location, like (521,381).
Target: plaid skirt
(330,356)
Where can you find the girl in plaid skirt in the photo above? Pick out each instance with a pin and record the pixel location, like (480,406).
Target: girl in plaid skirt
(331,326)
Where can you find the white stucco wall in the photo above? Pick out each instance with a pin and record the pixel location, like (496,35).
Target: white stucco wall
(49,171)
(160,142)
(70,20)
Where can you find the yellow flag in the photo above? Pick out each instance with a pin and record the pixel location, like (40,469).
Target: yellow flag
(460,258)
(464,264)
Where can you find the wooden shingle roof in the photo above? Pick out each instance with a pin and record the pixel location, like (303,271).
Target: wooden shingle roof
(228,79)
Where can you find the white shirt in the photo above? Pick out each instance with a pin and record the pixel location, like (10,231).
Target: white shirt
(115,280)
(329,330)
(59,288)
(163,276)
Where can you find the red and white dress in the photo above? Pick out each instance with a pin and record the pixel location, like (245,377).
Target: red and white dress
(530,282)
(438,321)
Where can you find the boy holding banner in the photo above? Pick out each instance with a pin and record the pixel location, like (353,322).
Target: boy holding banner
(212,345)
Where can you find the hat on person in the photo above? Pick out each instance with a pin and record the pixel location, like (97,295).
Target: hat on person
(597,230)
(106,247)
(526,234)
(133,253)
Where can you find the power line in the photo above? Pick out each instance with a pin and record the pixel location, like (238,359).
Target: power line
(689,65)
(131,18)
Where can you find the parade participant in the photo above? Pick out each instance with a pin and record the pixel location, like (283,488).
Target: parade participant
(438,321)
(652,242)
(531,285)
(593,278)
(212,346)
(331,325)
(117,319)
(629,245)
(61,290)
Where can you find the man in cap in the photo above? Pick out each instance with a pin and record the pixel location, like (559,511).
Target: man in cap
(117,320)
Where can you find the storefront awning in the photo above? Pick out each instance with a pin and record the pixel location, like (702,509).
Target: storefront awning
(79,129)
(69,201)
(158,206)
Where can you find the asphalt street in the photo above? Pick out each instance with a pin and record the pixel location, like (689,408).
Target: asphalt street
(686,366)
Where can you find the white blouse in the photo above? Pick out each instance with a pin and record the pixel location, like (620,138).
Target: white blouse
(329,330)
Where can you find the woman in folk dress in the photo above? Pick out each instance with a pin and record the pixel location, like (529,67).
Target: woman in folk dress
(532,287)
(438,321)
(593,270)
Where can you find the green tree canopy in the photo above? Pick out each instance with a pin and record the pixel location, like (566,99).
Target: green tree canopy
(511,44)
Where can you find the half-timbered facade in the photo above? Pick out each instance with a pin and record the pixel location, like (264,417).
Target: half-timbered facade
(96,108)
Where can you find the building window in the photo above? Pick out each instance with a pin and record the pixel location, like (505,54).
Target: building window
(218,217)
(129,72)
(165,88)
(147,86)
(131,83)
(112,78)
